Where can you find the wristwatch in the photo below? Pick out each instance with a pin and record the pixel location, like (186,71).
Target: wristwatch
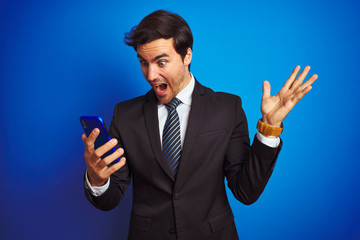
(269,130)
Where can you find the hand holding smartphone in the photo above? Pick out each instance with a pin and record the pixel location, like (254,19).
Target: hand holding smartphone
(89,123)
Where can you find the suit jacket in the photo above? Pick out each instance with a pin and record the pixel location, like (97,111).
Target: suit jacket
(195,204)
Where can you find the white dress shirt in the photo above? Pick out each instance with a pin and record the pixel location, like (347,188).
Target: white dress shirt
(185,96)
(183,110)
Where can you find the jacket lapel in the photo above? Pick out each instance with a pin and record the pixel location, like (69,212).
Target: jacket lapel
(152,126)
(195,119)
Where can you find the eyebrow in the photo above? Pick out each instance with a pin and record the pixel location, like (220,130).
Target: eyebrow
(155,58)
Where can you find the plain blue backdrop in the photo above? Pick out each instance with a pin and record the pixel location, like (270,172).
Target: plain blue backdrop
(63,59)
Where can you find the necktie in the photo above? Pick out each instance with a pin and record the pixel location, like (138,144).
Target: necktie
(171,137)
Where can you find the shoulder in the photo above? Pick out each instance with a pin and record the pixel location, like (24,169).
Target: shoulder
(131,102)
(222,98)
(134,103)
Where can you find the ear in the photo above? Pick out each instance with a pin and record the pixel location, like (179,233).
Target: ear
(188,57)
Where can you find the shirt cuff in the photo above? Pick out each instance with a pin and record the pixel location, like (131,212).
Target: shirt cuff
(96,191)
(270,142)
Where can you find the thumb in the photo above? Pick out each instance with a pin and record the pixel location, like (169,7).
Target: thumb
(266,89)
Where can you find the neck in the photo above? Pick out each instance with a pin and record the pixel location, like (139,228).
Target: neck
(187,78)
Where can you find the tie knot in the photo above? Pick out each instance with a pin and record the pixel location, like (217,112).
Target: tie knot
(173,103)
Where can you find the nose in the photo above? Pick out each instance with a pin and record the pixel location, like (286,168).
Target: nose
(152,73)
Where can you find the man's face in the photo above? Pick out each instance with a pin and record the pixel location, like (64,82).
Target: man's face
(164,68)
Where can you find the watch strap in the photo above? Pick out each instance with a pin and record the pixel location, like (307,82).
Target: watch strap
(268,130)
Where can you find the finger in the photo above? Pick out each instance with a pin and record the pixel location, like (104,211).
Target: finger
(90,140)
(306,90)
(105,148)
(113,168)
(301,78)
(298,96)
(112,157)
(292,77)
(309,82)
(266,89)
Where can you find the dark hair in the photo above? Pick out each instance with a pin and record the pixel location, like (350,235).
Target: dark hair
(161,24)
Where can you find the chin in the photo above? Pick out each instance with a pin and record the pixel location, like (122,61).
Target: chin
(165,99)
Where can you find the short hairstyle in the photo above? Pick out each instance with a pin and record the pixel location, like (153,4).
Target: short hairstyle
(161,24)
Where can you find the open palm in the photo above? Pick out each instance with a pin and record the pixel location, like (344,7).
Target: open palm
(275,108)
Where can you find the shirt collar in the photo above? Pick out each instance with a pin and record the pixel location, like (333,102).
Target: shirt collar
(185,96)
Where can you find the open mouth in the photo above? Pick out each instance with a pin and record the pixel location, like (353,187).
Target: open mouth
(160,88)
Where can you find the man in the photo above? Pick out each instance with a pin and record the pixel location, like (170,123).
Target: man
(178,184)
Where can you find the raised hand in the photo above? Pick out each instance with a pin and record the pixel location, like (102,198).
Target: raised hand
(275,108)
(97,169)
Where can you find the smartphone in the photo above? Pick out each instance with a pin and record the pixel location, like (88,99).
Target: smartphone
(89,123)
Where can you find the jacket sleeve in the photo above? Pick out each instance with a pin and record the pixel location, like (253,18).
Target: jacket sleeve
(247,168)
(119,180)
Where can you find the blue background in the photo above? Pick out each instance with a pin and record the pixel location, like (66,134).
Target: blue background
(63,59)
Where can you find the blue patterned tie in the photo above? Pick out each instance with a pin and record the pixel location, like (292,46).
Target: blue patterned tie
(171,137)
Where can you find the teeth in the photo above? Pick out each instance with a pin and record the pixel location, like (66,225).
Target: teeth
(157,86)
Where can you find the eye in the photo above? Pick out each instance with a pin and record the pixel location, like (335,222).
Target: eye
(162,63)
(143,63)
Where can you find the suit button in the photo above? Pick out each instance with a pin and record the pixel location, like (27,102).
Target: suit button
(172,230)
(177,196)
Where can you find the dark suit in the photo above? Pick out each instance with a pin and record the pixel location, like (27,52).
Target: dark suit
(216,145)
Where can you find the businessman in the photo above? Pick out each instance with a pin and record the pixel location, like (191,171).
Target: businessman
(179,141)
